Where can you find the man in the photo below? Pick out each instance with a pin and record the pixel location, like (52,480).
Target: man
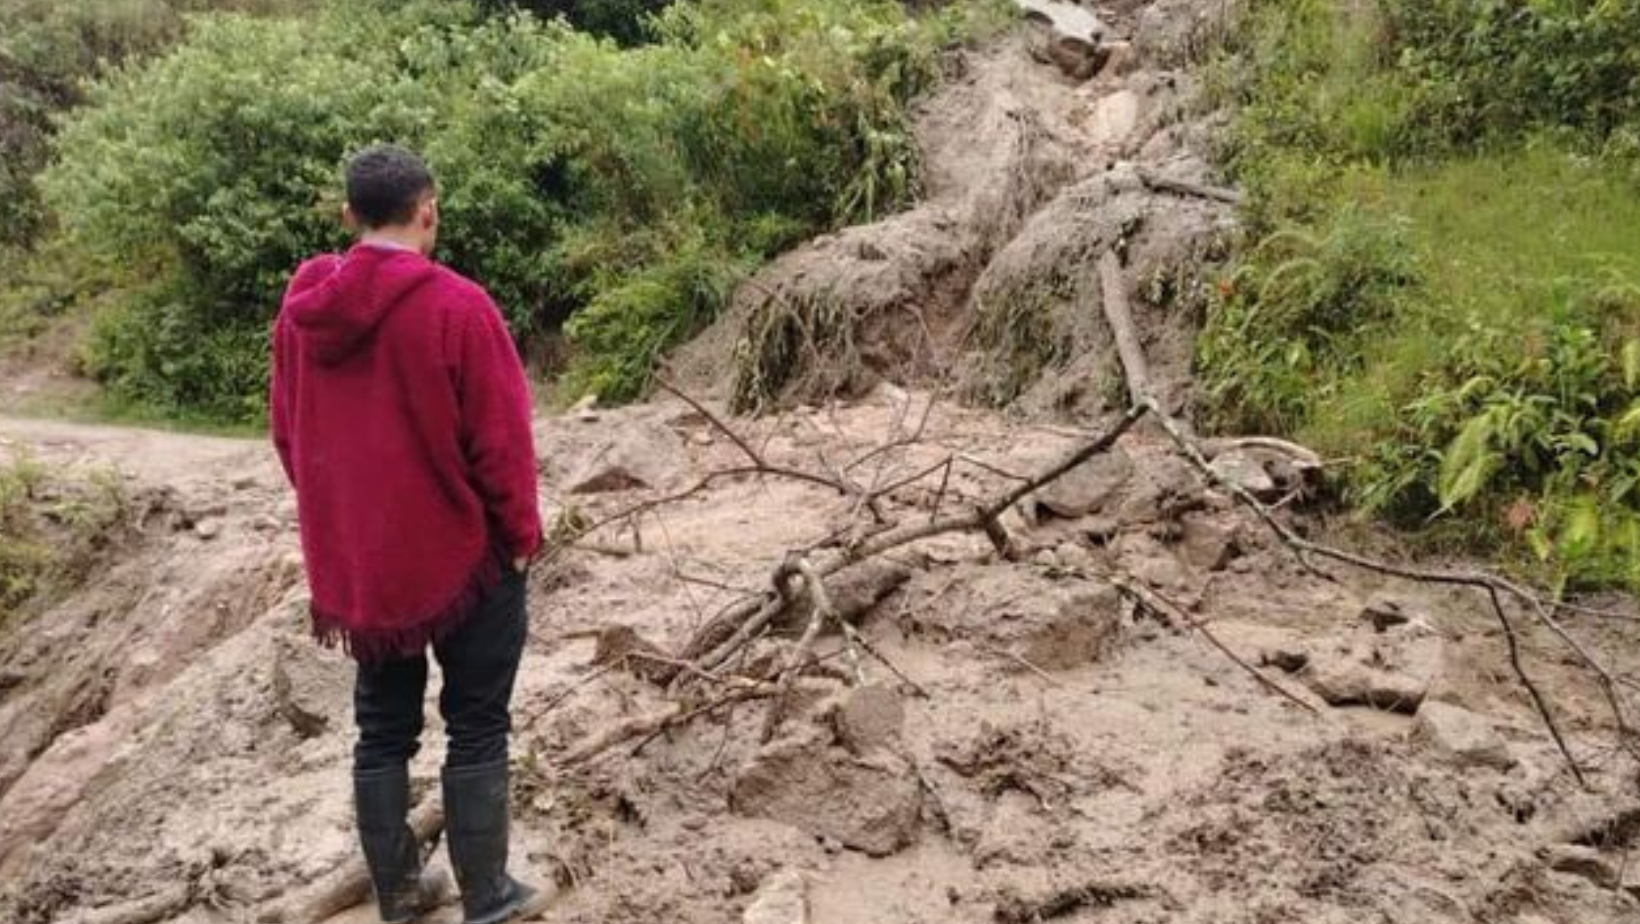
(402,417)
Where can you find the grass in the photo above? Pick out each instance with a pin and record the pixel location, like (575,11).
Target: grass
(1513,240)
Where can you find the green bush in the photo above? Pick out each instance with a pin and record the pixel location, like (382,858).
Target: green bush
(1445,297)
(626,21)
(48,48)
(576,176)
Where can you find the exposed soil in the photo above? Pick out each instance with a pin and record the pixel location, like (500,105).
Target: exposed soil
(1073,761)
(176,748)
(1035,164)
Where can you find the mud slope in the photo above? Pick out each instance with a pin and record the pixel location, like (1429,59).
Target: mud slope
(1073,760)
(1039,155)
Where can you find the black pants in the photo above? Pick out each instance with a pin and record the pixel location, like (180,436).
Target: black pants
(479,660)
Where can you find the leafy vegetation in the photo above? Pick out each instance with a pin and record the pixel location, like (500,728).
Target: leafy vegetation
(620,190)
(47,49)
(1444,292)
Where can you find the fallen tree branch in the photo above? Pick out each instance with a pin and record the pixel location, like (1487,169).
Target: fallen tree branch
(349,884)
(1187,188)
(1479,580)
(823,611)
(1119,316)
(166,903)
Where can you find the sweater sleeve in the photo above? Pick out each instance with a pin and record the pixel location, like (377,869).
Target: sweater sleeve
(495,426)
(281,400)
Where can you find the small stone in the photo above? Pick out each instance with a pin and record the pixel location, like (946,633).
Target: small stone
(640,456)
(1346,682)
(1210,542)
(208,529)
(1289,660)
(1461,736)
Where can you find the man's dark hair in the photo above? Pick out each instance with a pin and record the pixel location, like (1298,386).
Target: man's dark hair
(384,185)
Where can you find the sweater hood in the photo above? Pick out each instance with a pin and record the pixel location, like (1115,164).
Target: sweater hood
(336,303)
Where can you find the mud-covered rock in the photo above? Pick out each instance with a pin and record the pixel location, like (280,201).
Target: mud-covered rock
(1243,471)
(642,454)
(1209,542)
(783,898)
(1346,681)
(1085,489)
(1055,623)
(1461,736)
(868,717)
(870,803)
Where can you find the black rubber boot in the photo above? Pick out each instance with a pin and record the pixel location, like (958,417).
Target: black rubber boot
(475,827)
(381,800)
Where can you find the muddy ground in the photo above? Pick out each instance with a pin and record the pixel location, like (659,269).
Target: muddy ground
(1074,759)
(173,746)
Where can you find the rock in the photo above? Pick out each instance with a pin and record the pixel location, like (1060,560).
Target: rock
(1086,488)
(1349,682)
(640,455)
(869,717)
(1587,862)
(871,804)
(782,899)
(208,529)
(1284,659)
(1592,818)
(1245,472)
(1462,736)
(1210,542)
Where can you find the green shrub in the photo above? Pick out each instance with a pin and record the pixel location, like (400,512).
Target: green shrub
(625,21)
(47,49)
(632,184)
(1445,296)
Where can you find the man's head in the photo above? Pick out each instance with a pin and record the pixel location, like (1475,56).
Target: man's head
(391,195)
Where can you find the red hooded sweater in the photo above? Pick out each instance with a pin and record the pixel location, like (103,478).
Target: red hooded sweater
(401,414)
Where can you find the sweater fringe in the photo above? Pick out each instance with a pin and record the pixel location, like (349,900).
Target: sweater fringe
(369,646)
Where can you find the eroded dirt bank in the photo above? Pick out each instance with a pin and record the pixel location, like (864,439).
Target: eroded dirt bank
(1074,759)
